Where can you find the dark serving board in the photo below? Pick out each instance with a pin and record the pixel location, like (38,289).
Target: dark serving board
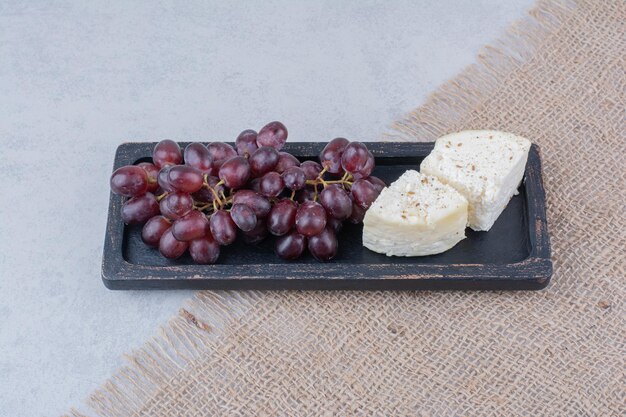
(513,255)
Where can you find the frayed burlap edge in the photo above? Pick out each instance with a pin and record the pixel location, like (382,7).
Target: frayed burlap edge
(186,337)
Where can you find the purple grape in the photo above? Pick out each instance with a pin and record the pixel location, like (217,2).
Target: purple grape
(140,209)
(364,193)
(263,160)
(176,205)
(310,218)
(152,172)
(377,182)
(223,228)
(163,179)
(330,157)
(170,247)
(282,217)
(305,194)
(235,172)
(367,169)
(154,229)
(290,246)
(286,160)
(323,246)
(204,195)
(273,134)
(220,152)
(197,155)
(354,157)
(259,204)
(271,184)
(167,152)
(246,142)
(255,185)
(204,250)
(358,213)
(294,178)
(243,216)
(192,226)
(311,169)
(335,224)
(185,178)
(129,181)
(336,201)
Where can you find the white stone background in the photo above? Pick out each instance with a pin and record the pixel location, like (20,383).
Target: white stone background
(77,79)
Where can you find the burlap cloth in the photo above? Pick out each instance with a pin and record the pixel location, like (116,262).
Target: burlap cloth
(558,78)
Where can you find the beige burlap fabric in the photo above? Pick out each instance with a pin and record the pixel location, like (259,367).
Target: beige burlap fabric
(557,78)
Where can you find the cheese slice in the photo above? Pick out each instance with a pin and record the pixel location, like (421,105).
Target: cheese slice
(416,215)
(485,166)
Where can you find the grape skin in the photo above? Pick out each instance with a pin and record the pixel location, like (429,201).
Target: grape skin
(323,246)
(257,234)
(273,134)
(294,178)
(310,218)
(152,172)
(223,228)
(185,178)
(282,217)
(263,160)
(286,160)
(197,155)
(290,246)
(204,250)
(154,229)
(167,152)
(311,169)
(336,201)
(271,184)
(170,247)
(129,181)
(140,209)
(330,157)
(246,142)
(259,204)
(176,205)
(235,172)
(220,152)
(364,193)
(354,157)
(192,226)
(243,216)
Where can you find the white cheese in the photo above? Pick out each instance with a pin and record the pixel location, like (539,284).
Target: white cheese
(416,215)
(485,166)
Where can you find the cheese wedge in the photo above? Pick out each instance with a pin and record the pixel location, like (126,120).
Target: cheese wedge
(416,215)
(485,166)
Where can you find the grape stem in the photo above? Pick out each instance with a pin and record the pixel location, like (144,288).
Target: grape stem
(293,194)
(162,196)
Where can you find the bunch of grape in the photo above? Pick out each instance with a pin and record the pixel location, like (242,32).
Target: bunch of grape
(202,198)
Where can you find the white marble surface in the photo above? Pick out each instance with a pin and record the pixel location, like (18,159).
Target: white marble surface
(78,79)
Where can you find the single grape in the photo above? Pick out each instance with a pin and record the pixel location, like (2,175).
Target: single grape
(235,172)
(129,181)
(273,134)
(290,246)
(358,213)
(257,234)
(336,201)
(377,182)
(223,228)
(204,250)
(305,194)
(286,160)
(282,217)
(311,169)
(153,172)
(294,178)
(185,178)
(220,152)
(310,218)
(364,193)
(191,226)
(354,157)
(259,204)
(176,205)
(154,229)
(367,169)
(170,247)
(167,152)
(263,160)
(330,157)
(197,155)
(163,179)
(323,246)
(335,224)
(140,209)
(246,142)
(271,184)
(243,216)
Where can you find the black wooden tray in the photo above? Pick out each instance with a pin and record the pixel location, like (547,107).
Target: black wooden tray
(513,255)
